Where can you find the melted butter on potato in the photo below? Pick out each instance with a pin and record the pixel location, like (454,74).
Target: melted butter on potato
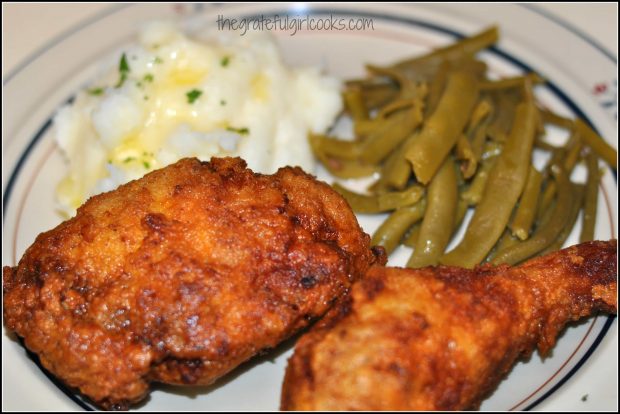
(176,97)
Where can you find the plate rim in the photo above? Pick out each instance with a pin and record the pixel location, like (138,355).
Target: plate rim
(104,13)
(26,61)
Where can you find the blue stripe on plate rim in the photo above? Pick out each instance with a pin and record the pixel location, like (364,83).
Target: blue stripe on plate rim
(323,11)
(82,25)
(571,28)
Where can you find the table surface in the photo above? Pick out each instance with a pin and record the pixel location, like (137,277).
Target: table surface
(27,27)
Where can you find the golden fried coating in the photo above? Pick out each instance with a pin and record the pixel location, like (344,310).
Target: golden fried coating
(442,338)
(182,275)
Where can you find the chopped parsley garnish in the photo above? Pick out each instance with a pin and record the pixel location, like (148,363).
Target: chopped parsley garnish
(241,131)
(193,95)
(123,69)
(147,78)
(96,91)
(225,61)
(146,165)
(128,159)
(146,98)
(222,102)
(123,66)
(158,60)
(584,398)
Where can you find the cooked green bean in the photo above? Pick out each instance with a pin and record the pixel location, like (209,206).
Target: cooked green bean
(508,83)
(376,92)
(557,120)
(477,128)
(382,202)
(548,233)
(347,169)
(377,96)
(546,199)
(605,151)
(461,210)
(559,155)
(542,220)
(436,73)
(474,67)
(540,143)
(465,153)
(473,194)
(367,83)
(392,230)
(365,127)
(387,133)
(526,211)
(395,199)
(412,117)
(578,191)
(338,167)
(346,150)
(573,154)
(590,202)
(409,89)
(398,127)
(507,240)
(354,102)
(394,122)
(436,88)
(505,184)
(409,92)
(464,47)
(481,111)
(394,106)
(411,238)
(442,129)
(478,136)
(438,222)
(492,149)
(396,170)
(505,106)
(570,155)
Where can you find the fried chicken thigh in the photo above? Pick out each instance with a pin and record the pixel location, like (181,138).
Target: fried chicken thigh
(182,275)
(442,338)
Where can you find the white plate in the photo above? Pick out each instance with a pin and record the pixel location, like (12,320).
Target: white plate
(582,372)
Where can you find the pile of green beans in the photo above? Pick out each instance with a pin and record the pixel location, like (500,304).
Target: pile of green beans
(442,139)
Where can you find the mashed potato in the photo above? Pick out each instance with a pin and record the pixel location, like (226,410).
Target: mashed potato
(171,97)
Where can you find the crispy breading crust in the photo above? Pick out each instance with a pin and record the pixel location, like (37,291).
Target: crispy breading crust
(182,275)
(442,338)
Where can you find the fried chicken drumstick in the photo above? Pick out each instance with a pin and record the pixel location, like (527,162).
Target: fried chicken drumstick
(443,338)
(182,275)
